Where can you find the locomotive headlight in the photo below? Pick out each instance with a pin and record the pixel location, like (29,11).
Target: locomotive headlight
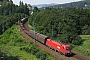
(58,47)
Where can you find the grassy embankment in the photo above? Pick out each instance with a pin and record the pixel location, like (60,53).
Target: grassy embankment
(84,49)
(11,43)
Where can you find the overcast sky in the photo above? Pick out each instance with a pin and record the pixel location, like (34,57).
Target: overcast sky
(35,2)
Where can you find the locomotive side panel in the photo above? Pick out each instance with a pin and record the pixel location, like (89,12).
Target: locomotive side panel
(63,48)
(53,44)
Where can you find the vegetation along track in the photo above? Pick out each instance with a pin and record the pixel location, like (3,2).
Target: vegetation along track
(23,29)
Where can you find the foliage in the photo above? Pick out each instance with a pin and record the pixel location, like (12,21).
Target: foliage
(37,52)
(62,25)
(10,14)
(3,56)
(84,49)
(7,21)
(10,43)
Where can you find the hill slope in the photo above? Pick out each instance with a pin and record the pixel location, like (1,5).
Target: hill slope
(80,4)
(11,42)
(14,47)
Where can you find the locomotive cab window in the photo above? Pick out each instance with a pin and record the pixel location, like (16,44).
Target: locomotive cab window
(67,48)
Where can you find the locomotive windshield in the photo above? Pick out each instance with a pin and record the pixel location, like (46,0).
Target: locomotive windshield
(67,48)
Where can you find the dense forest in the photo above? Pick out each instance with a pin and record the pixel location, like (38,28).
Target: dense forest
(62,25)
(11,13)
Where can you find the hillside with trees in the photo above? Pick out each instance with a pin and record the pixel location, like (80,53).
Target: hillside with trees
(80,4)
(11,13)
(62,25)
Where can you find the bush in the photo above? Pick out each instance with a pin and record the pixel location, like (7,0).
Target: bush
(77,41)
(41,55)
(34,49)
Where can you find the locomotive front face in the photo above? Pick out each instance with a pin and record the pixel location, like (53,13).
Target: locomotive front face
(68,50)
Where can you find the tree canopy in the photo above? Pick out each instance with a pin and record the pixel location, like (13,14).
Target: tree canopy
(62,25)
(11,13)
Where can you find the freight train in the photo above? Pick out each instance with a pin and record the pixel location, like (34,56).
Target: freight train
(59,47)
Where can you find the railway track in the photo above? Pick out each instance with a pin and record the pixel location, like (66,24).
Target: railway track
(79,57)
(52,52)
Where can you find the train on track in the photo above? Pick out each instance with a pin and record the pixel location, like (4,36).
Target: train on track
(45,40)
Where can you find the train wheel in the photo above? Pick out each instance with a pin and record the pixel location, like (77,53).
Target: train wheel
(61,53)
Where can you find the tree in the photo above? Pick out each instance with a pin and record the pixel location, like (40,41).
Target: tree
(36,9)
(63,25)
(21,3)
(41,55)
(30,7)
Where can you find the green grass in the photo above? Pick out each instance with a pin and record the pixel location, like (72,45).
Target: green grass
(15,51)
(11,42)
(84,49)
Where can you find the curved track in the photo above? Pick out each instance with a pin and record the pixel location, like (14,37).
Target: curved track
(23,29)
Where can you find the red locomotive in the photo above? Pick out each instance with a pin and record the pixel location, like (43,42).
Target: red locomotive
(60,47)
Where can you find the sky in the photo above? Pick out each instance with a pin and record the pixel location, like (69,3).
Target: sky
(36,2)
